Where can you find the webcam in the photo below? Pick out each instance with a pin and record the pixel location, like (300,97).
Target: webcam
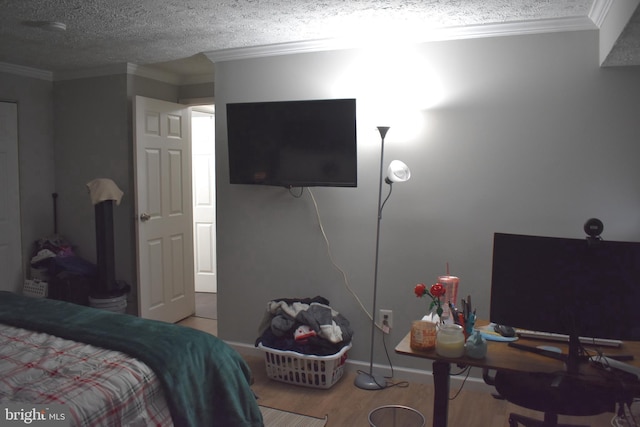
(593,227)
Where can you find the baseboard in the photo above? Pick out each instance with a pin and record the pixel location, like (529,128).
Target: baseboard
(424,376)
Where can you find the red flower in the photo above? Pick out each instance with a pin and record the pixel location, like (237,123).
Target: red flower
(420,290)
(435,292)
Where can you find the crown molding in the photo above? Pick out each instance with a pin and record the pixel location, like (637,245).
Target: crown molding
(441,34)
(599,11)
(26,71)
(117,69)
(107,70)
(168,76)
(134,70)
(153,74)
(597,15)
(277,49)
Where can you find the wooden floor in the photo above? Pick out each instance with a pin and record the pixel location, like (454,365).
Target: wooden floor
(347,405)
(201,323)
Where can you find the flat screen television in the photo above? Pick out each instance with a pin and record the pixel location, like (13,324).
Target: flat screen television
(293,143)
(566,286)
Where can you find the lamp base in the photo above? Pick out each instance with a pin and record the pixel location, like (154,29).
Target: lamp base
(370,381)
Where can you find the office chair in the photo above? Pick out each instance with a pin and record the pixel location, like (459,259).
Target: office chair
(551,394)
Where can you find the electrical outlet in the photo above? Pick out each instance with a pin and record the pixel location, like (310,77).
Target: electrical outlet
(386,316)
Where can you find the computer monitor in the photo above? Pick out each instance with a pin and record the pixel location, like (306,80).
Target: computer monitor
(576,287)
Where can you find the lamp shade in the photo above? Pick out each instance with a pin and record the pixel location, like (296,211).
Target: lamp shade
(398,172)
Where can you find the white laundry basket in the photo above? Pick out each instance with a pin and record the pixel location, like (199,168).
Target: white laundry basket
(303,369)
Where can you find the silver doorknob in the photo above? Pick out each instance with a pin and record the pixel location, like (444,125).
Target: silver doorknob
(145,217)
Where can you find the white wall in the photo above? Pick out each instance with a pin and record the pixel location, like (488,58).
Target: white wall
(35,153)
(70,132)
(527,135)
(94,139)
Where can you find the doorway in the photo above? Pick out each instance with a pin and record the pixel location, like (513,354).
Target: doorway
(204,224)
(185,247)
(12,277)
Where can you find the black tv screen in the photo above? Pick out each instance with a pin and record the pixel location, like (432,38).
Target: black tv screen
(566,286)
(293,143)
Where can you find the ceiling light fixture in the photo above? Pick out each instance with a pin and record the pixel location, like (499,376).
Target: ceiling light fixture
(56,26)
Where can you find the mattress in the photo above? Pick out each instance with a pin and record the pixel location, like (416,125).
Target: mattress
(204,382)
(96,386)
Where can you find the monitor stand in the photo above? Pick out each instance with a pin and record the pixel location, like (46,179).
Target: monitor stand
(574,358)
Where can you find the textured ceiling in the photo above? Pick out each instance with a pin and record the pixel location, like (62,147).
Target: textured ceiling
(626,51)
(177,32)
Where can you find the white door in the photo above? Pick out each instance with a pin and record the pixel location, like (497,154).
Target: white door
(12,275)
(163,210)
(204,198)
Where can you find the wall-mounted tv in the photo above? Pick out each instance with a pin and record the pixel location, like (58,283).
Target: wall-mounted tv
(293,143)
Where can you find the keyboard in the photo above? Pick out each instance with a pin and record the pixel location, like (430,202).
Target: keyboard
(604,342)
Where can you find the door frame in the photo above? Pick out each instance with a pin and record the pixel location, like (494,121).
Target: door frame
(11,256)
(205,281)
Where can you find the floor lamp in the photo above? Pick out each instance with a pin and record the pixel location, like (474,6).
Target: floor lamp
(397,172)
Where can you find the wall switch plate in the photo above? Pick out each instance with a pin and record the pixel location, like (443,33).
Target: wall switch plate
(386,320)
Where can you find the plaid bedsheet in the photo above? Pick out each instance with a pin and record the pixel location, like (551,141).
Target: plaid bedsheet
(99,387)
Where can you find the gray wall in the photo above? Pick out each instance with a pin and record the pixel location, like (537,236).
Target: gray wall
(35,146)
(70,132)
(196,90)
(529,135)
(94,139)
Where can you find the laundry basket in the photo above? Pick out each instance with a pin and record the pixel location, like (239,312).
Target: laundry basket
(305,370)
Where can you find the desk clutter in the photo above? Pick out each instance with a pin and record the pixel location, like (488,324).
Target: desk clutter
(556,374)
(450,330)
(490,333)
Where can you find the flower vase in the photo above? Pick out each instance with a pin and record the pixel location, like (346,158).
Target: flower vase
(432,317)
(423,334)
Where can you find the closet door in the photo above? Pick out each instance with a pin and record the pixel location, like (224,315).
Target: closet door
(11,267)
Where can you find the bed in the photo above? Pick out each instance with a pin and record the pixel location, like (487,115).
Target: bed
(110,369)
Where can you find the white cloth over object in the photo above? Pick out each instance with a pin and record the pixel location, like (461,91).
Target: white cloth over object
(102,189)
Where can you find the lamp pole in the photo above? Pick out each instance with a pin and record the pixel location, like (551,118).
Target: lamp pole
(369,381)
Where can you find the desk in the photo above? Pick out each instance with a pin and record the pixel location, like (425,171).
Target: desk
(502,357)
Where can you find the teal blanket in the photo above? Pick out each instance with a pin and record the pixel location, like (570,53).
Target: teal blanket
(206,382)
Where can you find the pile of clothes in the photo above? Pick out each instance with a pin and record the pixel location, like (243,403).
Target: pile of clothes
(53,255)
(307,326)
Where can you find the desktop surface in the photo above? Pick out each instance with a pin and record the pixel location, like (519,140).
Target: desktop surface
(500,356)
